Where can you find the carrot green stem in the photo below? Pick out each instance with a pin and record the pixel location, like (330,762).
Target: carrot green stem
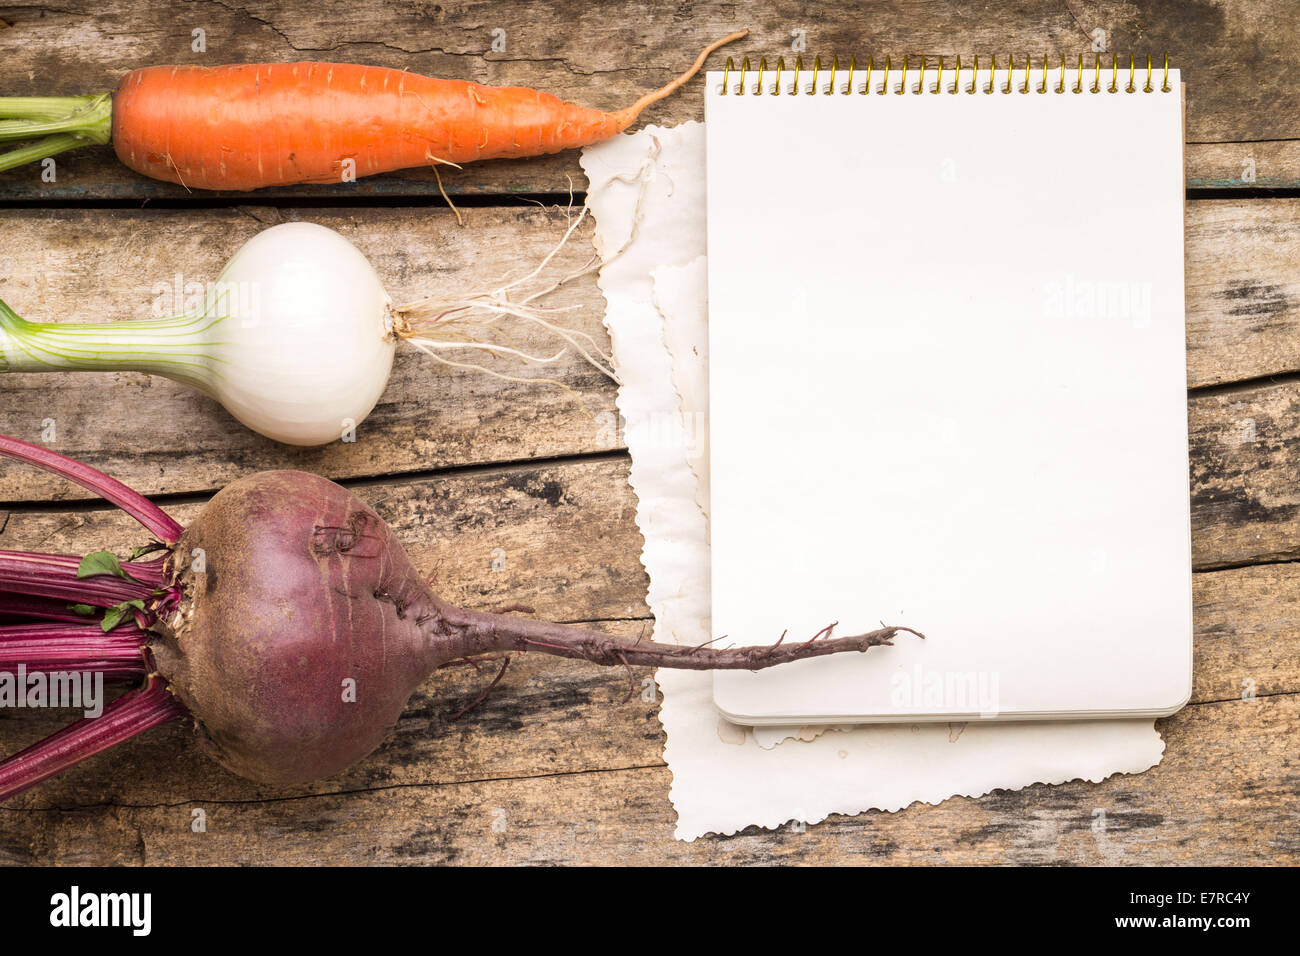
(131,714)
(53,124)
(42,148)
(132,502)
(38,108)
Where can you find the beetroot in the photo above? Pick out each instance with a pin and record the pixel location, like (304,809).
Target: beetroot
(286,626)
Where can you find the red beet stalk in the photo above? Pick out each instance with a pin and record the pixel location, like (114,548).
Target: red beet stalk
(41,587)
(76,648)
(44,609)
(131,714)
(110,489)
(55,576)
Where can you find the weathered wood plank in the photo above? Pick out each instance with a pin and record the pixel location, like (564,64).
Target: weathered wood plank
(1224,794)
(574,774)
(1243,290)
(1245,497)
(1237,59)
(1247,638)
(1243,307)
(551,743)
(161,437)
(1257,165)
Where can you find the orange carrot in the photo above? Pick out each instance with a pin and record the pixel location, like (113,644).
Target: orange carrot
(245,127)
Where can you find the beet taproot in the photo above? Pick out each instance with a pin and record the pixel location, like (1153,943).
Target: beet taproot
(287,627)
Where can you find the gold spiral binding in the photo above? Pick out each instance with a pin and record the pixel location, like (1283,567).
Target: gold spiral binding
(739,85)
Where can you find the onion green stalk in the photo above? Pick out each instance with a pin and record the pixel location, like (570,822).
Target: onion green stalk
(169,347)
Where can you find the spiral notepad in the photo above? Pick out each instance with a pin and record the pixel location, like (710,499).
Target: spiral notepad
(947,384)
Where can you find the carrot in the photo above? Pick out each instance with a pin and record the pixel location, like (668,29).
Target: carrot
(277,124)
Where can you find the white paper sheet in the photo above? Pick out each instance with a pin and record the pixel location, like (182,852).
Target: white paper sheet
(948,390)
(649,186)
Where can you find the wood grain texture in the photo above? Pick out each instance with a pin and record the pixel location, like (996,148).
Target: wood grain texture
(1237,57)
(579,772)
(1223,795)
(1265,164)
(554,767)
(1245,497)
(1243,322)
(1243,290)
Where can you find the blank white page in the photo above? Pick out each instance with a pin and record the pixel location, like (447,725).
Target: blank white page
(948,390)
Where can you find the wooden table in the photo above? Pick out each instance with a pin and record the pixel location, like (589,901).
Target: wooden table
(553,767)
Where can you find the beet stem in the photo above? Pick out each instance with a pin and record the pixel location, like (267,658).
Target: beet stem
(132,502)
(477,632)
(55,576)
(41,608)
(74,648)
(131,714)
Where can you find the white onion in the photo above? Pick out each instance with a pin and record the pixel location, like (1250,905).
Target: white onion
(295,338)
(308,345)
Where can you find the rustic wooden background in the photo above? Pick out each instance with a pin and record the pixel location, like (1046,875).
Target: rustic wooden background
(462,465)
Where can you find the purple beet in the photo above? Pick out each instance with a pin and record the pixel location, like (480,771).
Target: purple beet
(286,626)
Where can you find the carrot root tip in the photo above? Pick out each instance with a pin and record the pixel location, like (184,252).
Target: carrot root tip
(628,115)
